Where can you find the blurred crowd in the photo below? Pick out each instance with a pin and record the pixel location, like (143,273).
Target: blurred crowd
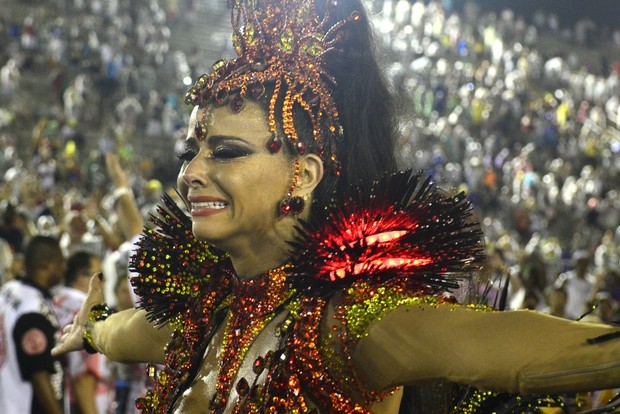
(527,128)
(491,106)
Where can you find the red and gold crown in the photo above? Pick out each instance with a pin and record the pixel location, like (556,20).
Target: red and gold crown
(284,43)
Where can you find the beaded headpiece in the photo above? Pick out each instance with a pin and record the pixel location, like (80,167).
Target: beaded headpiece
(284,43)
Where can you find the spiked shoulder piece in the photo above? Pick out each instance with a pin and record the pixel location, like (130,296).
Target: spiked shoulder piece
(173,267)
(398,226)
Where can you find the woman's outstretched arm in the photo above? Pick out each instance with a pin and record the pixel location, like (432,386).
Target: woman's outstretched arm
(126,336)
(515,351)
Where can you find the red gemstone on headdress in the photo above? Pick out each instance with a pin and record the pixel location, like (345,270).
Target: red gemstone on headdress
(257,90)
(274,144)
(300,147)
(198,131)
(237,104)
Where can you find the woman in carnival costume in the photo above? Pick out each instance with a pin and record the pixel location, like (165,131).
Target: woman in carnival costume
(310,275)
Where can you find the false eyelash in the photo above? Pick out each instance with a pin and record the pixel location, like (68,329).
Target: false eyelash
(186,154)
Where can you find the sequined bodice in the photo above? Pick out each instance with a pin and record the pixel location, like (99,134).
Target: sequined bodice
(204,385)
(282,342)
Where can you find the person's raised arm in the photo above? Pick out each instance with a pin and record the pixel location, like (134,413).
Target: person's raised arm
(125,336)
(515,351)
(130,218)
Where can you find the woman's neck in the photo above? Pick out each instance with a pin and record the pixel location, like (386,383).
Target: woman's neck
(257,258)
(251,258)
(250,267)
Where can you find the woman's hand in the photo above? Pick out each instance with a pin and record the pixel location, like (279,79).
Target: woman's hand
(72,334)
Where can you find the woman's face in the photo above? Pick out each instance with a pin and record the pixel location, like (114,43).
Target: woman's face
(230,180)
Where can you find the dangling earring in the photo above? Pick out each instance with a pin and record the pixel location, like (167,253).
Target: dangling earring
(293,204)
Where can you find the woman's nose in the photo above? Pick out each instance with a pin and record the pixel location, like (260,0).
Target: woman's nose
(194,180)
(195,173)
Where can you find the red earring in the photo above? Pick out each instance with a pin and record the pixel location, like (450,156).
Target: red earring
(292,205)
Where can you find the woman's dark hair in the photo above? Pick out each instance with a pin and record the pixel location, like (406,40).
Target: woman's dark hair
(364,102)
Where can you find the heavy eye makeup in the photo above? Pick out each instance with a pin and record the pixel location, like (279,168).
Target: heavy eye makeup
(228,152)
(226,148)
(189,151)
(221,149)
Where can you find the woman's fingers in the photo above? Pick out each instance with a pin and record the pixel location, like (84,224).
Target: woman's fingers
(67,329)
(95,290)
(72,334)
(71,340)
(93,297)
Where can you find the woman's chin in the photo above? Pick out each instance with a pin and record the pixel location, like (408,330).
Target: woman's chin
(209,236)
